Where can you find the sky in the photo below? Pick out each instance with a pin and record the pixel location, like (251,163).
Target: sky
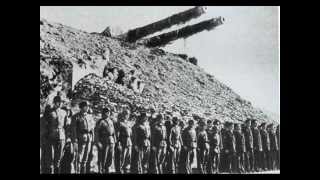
(243,53)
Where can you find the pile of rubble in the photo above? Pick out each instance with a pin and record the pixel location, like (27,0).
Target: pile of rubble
(171,82)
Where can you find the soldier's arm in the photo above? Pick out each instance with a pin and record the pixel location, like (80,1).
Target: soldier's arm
(96,132)
(74,129)
(67,126)
(134,135)
(221,141)
(276,142)
(115,132)
(170,136)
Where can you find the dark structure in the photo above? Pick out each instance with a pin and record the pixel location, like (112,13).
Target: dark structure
(165,38)
(179,18)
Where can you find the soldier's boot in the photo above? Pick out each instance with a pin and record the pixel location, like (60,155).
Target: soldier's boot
(83,168)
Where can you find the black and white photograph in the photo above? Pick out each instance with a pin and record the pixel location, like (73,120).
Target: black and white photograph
(159,90)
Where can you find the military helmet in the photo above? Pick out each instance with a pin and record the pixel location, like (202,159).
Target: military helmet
(57,99)
(83,104)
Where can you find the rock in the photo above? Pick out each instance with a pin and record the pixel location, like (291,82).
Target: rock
(168,80)
(106,32)
(193,60)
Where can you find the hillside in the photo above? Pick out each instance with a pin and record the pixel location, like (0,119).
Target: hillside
(171,81)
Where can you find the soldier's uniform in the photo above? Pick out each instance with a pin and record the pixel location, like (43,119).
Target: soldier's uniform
(265,147)
(125,140)
(278,140)
(249,157)
(142,141)
(203,150)
(189,138)
(215,143)
(82,125)
(159,147)
(229,148)
(105,136)
(175,143)
(257,147)
(240,150)
(56,119)
(273,148)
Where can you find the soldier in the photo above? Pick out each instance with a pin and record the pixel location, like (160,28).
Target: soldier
(273,147)
(240,148)
(168,124)
(278,140)
(175,144)
(142,143)
(203,147)
(56,119)
(265,146)
(105,139)
(223,156)
(189,139)
(229,146)
(215,143)
(249,157)
(159,145)
(82,126)
(257,145)
(125,142)
(67,159)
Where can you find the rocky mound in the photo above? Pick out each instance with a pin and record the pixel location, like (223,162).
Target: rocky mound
(171,82)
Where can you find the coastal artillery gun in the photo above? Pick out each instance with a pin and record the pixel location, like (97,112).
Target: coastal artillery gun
(137,35)
(185,32)
(176,19)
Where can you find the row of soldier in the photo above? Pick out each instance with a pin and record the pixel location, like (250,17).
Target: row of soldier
(155,143)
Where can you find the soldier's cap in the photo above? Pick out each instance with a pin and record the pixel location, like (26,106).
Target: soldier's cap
(263,124)
(143,114)
(228,124)
(175,119)
(202,122)
(254,121)
(57,99)
(195,116)
(83,104)
(217,122)
(159,117)
(191,122)
(237,125)
(270,125)
(167,123)
(105,110)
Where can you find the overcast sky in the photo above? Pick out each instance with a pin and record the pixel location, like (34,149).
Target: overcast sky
(243,53)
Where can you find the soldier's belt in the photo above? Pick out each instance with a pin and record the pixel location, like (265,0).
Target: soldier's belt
(86,131)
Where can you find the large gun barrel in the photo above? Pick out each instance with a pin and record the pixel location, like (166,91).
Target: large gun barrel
(179,18)
(165,38)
